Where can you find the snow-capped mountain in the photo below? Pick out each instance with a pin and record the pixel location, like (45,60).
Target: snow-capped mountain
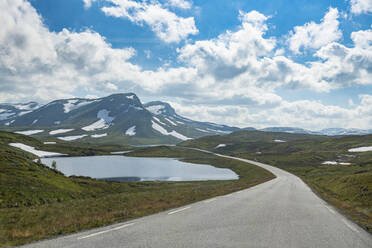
(343,131)
(119,118)
(164,114)
(8,112)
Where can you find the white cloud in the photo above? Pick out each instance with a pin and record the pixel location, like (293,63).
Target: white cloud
(312,115)
(230,79)
(167,25)
(361,6)
(313,35)
(43,64)
(88,3)
(182,4)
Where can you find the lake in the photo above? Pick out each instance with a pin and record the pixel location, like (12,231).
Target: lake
(121,168)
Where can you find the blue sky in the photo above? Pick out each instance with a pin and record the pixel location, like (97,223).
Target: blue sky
(246,63)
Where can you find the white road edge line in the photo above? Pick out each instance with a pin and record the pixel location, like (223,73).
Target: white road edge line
(179,210)
(210,200)
(350,226)
(330,209)
(102,232)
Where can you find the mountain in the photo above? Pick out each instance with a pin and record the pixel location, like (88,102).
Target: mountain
(118,118)
(163,113)
(9,112)
(289,130)
(327,131)
(343,131)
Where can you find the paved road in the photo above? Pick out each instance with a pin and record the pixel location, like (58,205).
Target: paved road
(283,212)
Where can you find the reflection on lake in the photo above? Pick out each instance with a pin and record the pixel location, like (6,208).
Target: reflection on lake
(121,168)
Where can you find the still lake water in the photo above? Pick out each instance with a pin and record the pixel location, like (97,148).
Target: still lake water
(121,168)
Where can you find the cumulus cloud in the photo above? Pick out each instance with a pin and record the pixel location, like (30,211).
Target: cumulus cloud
(361,6)
(230,79)
(313,35)
(167,25)
(312,115)
(182,4)
(44,64)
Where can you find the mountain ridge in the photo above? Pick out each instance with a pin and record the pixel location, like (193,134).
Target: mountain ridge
(121,118)
(118,118)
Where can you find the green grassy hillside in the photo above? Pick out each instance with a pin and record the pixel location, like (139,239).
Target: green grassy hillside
(37,202)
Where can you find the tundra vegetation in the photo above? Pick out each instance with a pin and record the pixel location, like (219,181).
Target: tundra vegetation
(38,202)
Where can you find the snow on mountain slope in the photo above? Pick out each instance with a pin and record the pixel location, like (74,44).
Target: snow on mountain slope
(10,111)
(131,131)
(29,132)
(71,138)
(58,131)
(104,121)
(99,135)
(173,133)
(34,151)
(75,104)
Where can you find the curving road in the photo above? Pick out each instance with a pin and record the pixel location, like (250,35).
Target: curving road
(283,212)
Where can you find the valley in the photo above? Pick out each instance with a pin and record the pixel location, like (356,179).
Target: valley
(336,167)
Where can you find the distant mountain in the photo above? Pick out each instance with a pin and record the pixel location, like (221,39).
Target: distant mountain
(343,131)
(327,131)
(9,112)
(118,118)
(163,113)
(287,130)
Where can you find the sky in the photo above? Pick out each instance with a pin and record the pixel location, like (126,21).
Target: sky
(245,63)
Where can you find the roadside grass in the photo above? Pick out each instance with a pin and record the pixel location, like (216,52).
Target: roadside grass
(37,202)
(347,187)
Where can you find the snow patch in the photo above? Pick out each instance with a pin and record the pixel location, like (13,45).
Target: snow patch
(171,122)
(156,109)
(130,97)
(330,162)
(50,143)
(220,145)
(75,104)
(23,113)
(57,122)
(335,163)
(201,130)
(34,121)
(161,130)
(104,121)
(32,150)
(70,138)
(279,141)
(58,131)
(159,121)
(131,131)
(30,132)
(179,136)
(99,135)
(26,106)
(361,149)
(5,116)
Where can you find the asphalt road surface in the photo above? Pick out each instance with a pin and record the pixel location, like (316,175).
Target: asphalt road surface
(281,213)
